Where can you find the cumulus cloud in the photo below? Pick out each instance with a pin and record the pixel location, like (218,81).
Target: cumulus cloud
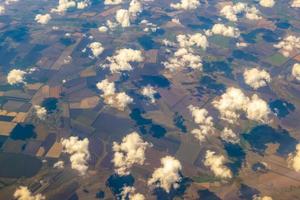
(83,4)
(296,71)
(2,9)
(135,7)
(234,101)
(79,153)
(288,44)
(189,40)
(205,122)
(40,112)
(231,12)
(256,197)
(295,3)
(294,159)
(112,2)
(59,164)
(23,193)
(121,60)
(256,78)
(216,163)
(166,176)
(16,76)
(130,193)
(96,48)
(64,5)
(226,31)
(111,97)
(267,3)
(42,19)
(123,17)
(149,92)
(229,136)
(102,29)
(186,5)
(129,152)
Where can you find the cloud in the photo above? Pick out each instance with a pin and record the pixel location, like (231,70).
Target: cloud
(96,48)
(59,164)
(295,3)
(121,60)
(83,4)
(123,17)
(255,197)
(16,76)
(288,44)
(111,97)
(7,2)
(23,193)
(129,152)
(294,159)
(79,153)
(226,31)
(267,3)
(130,193)
(186,5)
(2,9)
(113,2)
(42,19)
(135,6)
(149,92)
(189,40)
(205,122)
(231,12)
(102,29)
(64,5)
(40,112)
(234,101)
(256,78)
(296,71)
(229,136)
(216,164)
(166,176)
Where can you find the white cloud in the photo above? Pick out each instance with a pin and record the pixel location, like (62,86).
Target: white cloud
(122,58)
(226,31)
(42,19)
(40,112)
(288,44)
(123,17)
(130,193)
(2,9)
(267,3)
(216,164)
(83,4)
(205,122)
(231,12)
(294,159)
(256,197)
(23,193)
(112,2)
(16,76)
(64,5)
(149,92)
(241,44)
(295,3)
(190,40)
(102,29)
(79,153)
(166,176)
(111,97)
(186,5)
(59,164)
(229,136)
(296,71)
(256,78)
(234,101)
(96,48)
(129,152)
(135,6)
(183,58)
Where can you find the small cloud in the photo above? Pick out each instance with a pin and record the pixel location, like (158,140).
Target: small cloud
(113,2)
(63,6)
(296,71)
(294,159)
(231,12)
(216,163)
(40,112)
(295,3)
(59,164)
(256,78)
(256,197)
(226,31)
(102,29)
(149,92)
(2,9)
(186,5)
(166,176)
(129,152)
(96,48)
(16,76)
(130,193)
(123,17)
(42,19)
(288,44)
(229,136)
(267,3)
(79,153)
(23,193)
